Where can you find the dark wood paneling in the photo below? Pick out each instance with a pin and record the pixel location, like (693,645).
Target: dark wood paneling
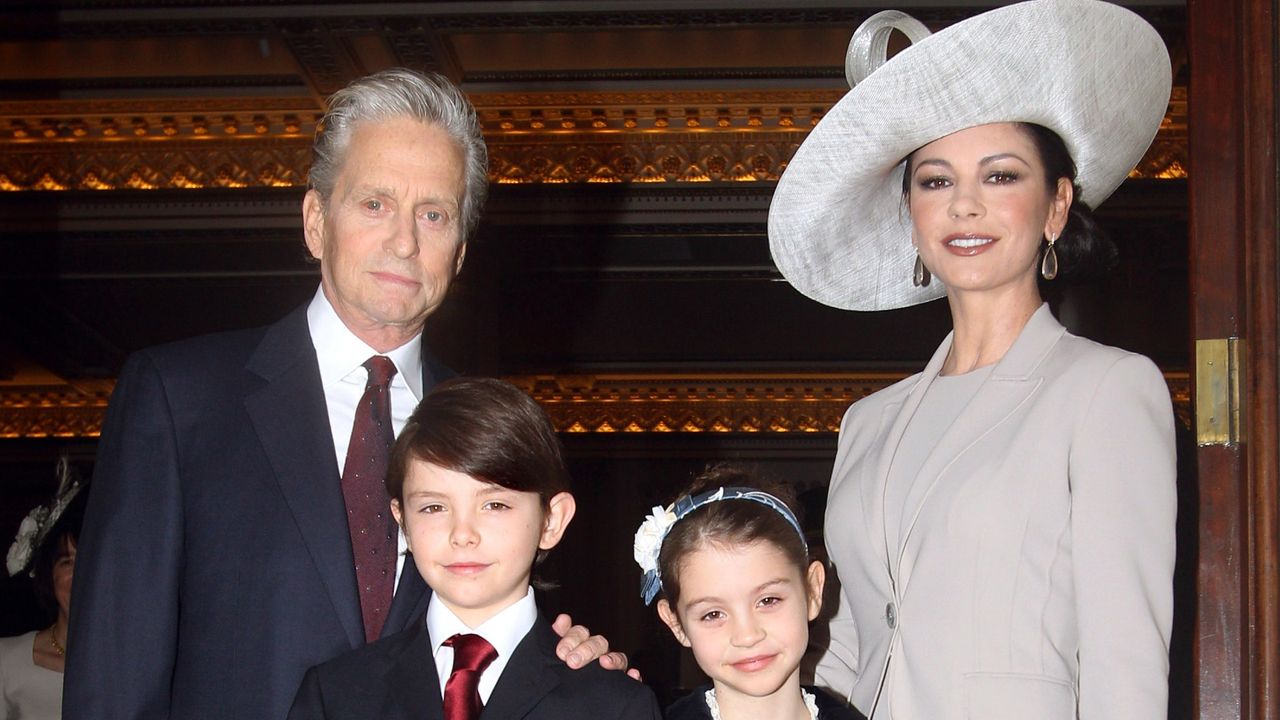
(1233,281)
(559,278)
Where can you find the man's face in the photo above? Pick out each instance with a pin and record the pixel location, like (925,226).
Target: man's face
(389,239)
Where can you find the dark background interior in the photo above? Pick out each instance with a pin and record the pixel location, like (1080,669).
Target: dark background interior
(561,279)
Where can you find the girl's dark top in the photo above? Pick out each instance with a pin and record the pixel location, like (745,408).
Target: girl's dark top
(694,707)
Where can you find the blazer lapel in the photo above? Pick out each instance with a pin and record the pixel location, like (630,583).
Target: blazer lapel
(1011,383)
(415,686)
(895,417)
(529,675)
(290,417)
(410,601)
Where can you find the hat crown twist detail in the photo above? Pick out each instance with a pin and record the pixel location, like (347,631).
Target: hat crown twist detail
(869,48)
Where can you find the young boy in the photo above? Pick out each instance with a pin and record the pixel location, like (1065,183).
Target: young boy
(478,484)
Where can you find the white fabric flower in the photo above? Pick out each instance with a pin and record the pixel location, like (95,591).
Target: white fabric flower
(650,535)
(23,545)
(37,524)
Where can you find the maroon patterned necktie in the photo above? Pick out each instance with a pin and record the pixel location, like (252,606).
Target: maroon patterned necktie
(364,490)
(471,655)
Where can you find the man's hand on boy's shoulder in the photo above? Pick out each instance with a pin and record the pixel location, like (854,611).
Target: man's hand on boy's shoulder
(578,647)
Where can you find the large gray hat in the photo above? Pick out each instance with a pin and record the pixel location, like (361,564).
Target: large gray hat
(1095,73)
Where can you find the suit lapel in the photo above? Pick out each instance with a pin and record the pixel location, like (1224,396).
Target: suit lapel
(410,601)
(290,417)
(1012,382)
(415,686)
(434,372)
(895,417)
(530,674)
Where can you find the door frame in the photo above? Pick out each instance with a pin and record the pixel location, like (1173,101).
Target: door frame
(1233,236)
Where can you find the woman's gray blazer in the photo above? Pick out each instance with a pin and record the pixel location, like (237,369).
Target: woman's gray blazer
(1034,577)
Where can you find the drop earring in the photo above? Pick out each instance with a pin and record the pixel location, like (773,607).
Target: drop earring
(1049,262)
(920,276)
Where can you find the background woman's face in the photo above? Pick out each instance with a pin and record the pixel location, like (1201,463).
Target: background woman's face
(980,208)
(64,567)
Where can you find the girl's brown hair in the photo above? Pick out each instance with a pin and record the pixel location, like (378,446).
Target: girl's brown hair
(731,522)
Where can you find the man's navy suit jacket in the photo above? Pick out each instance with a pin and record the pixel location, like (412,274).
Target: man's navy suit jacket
(215,563)
(395,679)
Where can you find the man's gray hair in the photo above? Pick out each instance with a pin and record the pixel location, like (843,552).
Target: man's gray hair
(401,93)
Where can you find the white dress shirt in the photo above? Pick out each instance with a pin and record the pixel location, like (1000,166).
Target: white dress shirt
(341,356)
(504,632)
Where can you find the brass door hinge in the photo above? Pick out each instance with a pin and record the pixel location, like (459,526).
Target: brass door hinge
(1219,377)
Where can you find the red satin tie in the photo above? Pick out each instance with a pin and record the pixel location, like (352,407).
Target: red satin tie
(364,477)
(471,655)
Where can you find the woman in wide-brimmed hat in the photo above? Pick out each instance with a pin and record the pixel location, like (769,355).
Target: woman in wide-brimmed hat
(1002,523)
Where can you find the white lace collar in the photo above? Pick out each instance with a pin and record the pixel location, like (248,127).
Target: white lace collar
(809,702)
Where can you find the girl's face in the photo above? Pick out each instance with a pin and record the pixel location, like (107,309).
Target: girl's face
(745,612)
(980,208)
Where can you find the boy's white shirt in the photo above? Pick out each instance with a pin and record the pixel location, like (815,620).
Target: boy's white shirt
(504,631)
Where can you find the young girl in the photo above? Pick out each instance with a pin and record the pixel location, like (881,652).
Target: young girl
(738,589)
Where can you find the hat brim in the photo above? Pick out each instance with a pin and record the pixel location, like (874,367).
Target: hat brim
(1095,73)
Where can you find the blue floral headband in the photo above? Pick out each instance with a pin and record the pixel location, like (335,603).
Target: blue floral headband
(654,529)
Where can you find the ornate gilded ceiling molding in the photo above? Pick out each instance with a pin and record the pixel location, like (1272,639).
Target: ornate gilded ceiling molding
(542,138)
(64,411)
(774,403)
(708,108)
(669,158)
(67,127)
(616,403)
(141,165)
(665,158)
(1167,156)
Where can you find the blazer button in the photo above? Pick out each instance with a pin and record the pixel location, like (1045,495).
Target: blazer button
(890,616)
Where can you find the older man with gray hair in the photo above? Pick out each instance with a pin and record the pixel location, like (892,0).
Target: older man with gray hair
(239,531)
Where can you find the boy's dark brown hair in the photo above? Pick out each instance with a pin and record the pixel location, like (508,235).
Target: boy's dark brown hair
(731,522)
(485,428)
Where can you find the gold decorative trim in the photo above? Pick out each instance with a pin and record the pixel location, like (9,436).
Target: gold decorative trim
(672,159)
(775,403)
(190,164)
(615,403)
(547,138)
(650,158)
(64,411)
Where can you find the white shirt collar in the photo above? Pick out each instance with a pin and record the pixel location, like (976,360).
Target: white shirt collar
(339,352)
(504,631)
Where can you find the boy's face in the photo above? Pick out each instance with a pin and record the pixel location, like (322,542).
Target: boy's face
(474,542)
(745,612)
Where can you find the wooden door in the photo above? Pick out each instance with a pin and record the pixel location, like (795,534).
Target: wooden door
(1232,138)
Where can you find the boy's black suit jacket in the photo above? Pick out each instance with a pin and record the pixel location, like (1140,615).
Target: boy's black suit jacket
(395,679)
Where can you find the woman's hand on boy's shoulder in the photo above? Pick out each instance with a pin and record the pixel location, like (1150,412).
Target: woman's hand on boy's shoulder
(578,647)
